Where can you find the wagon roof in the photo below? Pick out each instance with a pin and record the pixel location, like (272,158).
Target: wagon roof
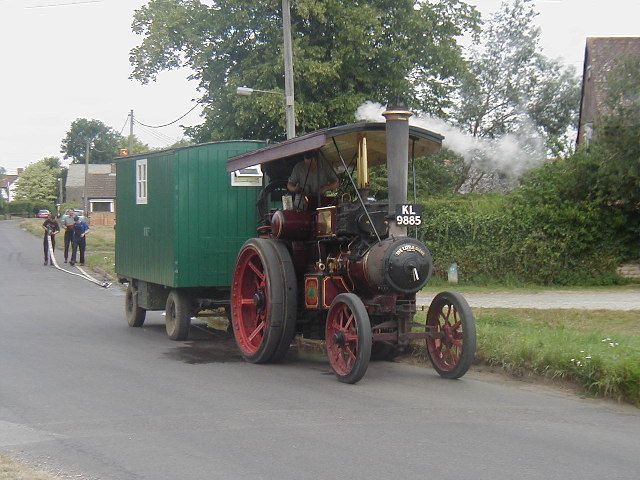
(346,138)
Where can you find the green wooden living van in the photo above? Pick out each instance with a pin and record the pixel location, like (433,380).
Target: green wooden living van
(181,220)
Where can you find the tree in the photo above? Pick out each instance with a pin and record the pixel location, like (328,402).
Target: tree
(513,88)
(345,52)
(52,162)
(39,182)
(104,141)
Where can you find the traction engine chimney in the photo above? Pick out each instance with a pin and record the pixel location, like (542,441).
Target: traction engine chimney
(397,130)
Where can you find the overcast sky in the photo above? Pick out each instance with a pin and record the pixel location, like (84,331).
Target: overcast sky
(64,62)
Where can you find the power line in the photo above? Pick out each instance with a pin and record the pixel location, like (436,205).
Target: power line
(68,4)
(156,135)
(124,125)
(170,123)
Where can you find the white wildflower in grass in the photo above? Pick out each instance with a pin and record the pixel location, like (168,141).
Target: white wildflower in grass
(588,357)
(612,344)
(616,344)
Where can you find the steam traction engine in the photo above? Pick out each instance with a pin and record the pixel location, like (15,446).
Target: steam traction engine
(342,268)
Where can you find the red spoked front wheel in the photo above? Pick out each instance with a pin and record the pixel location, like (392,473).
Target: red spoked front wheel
(452,334)
(348,337)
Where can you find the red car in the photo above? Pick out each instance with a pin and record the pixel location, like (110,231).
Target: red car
(43,213)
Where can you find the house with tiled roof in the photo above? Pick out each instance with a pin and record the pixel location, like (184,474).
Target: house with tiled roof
(100,188)
(602,56)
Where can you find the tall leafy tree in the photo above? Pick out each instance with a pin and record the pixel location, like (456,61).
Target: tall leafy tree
(104,141)
(39,181)
(345,52)
(512,87)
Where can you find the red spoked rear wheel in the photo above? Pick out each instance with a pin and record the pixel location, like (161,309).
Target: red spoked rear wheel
(260,301)
(348,337)
(452,334)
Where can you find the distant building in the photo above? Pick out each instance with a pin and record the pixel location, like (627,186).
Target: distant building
(602,55)
(9,184)
(100,189)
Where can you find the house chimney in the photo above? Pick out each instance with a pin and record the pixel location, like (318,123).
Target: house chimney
(397,130)
(20,170)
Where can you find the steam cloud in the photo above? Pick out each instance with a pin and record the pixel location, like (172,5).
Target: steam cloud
(510,154)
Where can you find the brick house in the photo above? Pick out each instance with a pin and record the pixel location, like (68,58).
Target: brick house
(602,55)
(100,190)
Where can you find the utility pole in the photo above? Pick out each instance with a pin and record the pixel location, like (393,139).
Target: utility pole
(59,192)
(131,132)
(288,70)
(86,175)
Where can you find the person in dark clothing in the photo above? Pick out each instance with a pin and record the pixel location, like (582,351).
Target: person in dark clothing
(51,227)
(80,230)
(67,223)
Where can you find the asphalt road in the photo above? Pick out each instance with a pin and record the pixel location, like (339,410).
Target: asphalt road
(82,393)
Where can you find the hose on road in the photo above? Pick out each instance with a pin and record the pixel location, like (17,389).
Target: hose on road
(83,274)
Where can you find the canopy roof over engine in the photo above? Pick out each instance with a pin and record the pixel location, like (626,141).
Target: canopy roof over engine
(421,142)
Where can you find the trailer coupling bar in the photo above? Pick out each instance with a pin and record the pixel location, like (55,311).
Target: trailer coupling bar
(83,274)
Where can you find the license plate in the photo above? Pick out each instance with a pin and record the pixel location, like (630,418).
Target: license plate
(408,214)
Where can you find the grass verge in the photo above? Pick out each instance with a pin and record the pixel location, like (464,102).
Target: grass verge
(100,251)
(599,351)
(12,470)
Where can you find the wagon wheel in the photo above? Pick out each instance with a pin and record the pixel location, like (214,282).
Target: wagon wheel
(178,315)
(262,301)
(452,341)
(348,337)
(134,313)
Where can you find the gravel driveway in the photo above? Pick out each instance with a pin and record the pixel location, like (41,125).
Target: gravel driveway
(587,300)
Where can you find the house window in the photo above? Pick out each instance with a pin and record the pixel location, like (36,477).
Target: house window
(141,181)
(101,205)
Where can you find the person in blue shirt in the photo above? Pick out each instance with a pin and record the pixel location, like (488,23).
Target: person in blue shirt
(79,240)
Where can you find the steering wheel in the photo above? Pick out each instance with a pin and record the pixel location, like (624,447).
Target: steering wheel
(273,191)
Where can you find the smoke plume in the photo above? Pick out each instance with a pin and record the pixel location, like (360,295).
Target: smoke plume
(511,154)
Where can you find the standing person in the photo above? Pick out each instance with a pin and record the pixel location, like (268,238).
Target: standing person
(51,227)
(67,223)
(80,230)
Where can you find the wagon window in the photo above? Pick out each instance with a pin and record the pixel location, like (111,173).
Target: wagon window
(247,177)
(141,181)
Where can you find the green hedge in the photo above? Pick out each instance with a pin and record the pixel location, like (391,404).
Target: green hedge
(508,238)
(28,207)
